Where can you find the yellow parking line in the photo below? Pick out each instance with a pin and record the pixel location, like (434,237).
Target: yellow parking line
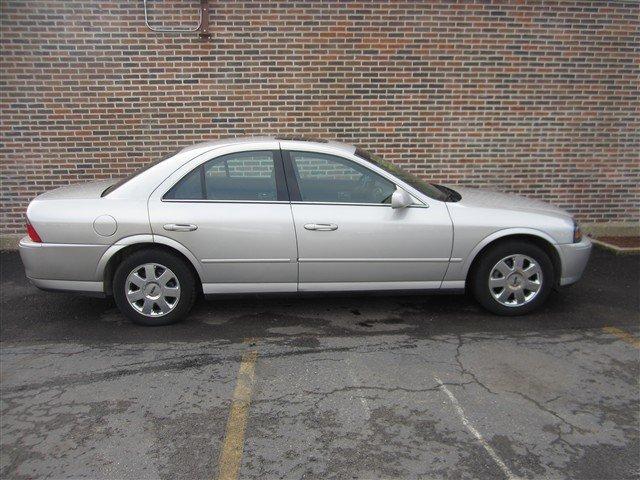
(622,335)
(233,445)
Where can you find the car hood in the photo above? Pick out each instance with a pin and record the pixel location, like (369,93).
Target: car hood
(78,191)
(475,197)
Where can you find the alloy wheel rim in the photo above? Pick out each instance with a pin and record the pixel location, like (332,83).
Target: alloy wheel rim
(515,280)
(152,289)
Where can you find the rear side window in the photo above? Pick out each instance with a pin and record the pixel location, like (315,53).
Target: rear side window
(136,173)
(189,188)
(248,176)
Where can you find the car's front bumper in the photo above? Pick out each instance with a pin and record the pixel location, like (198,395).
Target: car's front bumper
(574,258)
(63,267)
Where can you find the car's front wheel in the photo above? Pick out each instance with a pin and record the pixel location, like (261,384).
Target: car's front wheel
(154,287)
(513,278)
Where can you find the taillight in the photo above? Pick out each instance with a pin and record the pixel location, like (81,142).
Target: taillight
(33,235)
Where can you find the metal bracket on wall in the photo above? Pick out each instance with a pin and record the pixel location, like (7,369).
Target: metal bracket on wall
(202,26)
(204,15)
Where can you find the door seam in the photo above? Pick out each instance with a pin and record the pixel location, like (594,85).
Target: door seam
(293,218)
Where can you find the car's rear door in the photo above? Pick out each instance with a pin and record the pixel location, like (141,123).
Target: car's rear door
(232,212)
(349,237)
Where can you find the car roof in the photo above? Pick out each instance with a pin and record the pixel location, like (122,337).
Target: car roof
(286,142)
(147,180)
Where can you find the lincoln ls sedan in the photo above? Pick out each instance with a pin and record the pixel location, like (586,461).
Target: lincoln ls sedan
(261,215)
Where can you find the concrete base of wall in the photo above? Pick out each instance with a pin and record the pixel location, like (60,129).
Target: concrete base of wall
(10,241)
(614,248)
(614,229)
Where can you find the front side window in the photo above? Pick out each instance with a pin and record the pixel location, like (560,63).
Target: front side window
(248,176)
(437,192)
(332,179)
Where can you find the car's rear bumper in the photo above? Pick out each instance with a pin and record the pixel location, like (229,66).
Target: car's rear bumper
(64,267)
(574,258)
(88,288)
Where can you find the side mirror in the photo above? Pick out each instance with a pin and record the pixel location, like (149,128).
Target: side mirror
(400,199)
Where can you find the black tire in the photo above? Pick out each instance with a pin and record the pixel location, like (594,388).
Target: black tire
(184,275)
(479,277)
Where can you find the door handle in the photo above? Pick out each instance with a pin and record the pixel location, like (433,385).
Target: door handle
(180,227)
(324,227)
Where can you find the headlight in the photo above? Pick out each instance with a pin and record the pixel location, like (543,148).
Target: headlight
(577,232)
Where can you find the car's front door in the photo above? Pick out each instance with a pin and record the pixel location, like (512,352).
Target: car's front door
(232,213)
(349,237)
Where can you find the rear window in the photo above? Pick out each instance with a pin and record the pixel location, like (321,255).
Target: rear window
(124,180)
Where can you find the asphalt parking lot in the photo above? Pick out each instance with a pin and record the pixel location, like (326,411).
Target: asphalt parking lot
(360,387)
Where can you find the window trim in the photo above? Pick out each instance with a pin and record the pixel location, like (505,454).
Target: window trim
(354,204)
(294,188)
(282,193)
(290,175)
(195,200)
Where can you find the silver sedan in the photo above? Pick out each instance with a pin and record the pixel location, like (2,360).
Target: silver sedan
(262,215)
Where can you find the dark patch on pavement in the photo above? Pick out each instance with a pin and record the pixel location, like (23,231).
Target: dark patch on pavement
(608,294)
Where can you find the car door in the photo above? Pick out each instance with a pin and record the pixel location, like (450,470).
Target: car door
(232,213)
(349,237)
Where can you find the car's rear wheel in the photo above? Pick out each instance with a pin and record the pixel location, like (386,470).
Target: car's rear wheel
(154,287)
(513,278)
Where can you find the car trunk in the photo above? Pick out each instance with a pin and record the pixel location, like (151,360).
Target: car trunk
(78,191)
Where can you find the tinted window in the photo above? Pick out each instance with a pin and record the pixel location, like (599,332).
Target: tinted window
(136,173)
(327,178)
(237,176)
(189,188)
(241,176)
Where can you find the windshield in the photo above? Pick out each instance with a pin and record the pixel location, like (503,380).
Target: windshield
(124,180)
(429,189)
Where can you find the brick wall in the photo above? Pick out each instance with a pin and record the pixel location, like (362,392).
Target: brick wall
(538,98)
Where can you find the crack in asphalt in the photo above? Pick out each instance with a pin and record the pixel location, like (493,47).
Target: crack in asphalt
(465,371)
